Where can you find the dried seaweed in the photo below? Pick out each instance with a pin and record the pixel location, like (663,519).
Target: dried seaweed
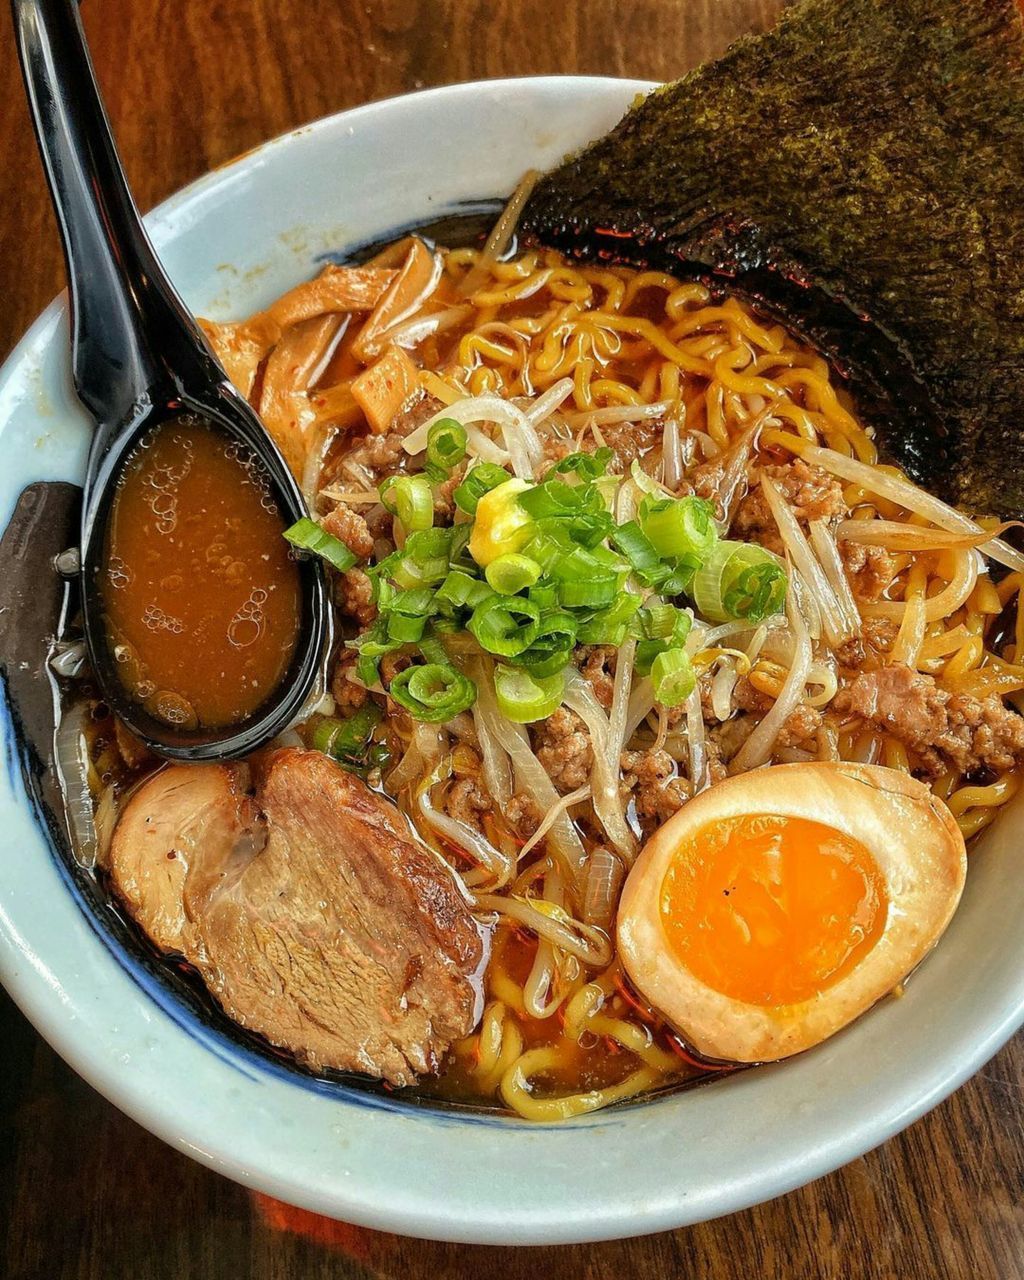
(859,170)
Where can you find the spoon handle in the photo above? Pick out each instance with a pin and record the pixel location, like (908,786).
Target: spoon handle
(130,330)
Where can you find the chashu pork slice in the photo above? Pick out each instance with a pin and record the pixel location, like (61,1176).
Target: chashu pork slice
(312,914)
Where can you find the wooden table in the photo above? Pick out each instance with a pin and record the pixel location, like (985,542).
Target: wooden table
(86,1193)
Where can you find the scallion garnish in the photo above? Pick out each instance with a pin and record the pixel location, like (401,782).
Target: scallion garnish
(479,480)
(524,696)
(346,740)
(307,535)
(505,625)
(609,626)
(673,677)
(446,444)
(434,692)
(410,499)
(460,588)
(680,529)
(511,573)
(552,646)
(740,580)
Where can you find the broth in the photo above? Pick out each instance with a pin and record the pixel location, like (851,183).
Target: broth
(201,593)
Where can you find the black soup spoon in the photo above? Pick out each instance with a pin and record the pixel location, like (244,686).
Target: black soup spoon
(139,360)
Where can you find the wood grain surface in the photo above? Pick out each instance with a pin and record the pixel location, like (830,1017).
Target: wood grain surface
(85,1193)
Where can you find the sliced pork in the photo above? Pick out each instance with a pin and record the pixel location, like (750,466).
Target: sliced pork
(308,908)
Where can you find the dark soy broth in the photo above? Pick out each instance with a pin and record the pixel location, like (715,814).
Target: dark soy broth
(201,594)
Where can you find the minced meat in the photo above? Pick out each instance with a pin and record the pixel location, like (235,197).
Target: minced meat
(652,779)
(870,569)
(809,490)
(347,695)
(630,441)
(562,745)
(597,666)
(939,727)
(353,594)
(866,651)
(466,801)
(349,528)
(382,455)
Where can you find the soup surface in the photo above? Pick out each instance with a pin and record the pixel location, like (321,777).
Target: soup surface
(201,592)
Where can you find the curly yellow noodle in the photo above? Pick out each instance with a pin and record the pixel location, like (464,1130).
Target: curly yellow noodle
(517,1093)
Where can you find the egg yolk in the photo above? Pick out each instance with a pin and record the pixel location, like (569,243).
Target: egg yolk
(772,910)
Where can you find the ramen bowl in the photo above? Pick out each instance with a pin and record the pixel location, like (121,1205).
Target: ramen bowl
(232,242)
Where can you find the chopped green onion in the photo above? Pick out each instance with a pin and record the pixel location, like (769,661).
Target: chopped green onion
(344,739)
(660,627)
(307,535)
(680,529)
(505,625)
(410,573)
(639,550)
(524,697)
(463,589)
(588,466)
(544,595)
(410,499)
(673,677)
(609,626)
(646,652)
(665,622)
(479,480)
(511,573)
(552,647)
(408,613)
(424,559)
(434,692)
(432,647)
(592,593)
(740,580)
(446,444)
(368,668)
(426,544)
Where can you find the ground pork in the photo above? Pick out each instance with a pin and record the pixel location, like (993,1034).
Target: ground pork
(717,769)
(629,441)
(941,728)
(597,666)
(556,448)
(562,745)
(349,528)
(727,738)
(811,492)
(870,569)
(444,494)
(381,455)
(347,695)
(353,594)
(867,651)
(522,814)
(746,698)
(391,664)
(651,778)
(466,801)
(705,481)
(801,728)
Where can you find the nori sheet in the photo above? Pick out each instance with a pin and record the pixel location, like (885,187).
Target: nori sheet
(858,171)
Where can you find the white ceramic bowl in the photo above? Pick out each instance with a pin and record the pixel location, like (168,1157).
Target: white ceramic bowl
(232,241)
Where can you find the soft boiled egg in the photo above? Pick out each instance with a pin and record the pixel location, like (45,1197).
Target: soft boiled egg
(777,906)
